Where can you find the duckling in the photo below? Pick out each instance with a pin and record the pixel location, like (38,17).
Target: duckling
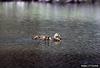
(35,37)
(56,37)
(41,37)
(45,37)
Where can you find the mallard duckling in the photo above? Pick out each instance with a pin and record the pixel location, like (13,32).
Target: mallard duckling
(35,37)
(41,37)
(57,37)
(45,37)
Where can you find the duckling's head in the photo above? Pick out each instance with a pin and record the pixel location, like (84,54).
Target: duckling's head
(57,35)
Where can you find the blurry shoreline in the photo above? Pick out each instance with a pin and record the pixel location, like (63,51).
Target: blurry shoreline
(57,1)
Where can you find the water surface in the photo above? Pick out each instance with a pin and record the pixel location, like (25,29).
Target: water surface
(79,26)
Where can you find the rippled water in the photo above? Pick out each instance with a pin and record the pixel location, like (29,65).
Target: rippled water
(79,26)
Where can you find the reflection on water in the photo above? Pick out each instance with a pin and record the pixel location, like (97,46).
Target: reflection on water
(78,25)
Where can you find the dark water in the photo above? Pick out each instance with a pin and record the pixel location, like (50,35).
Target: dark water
(79,26)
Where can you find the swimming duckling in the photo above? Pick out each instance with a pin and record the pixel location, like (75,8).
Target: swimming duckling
(56,37)
(45,37)
(35,37)
(41,37)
